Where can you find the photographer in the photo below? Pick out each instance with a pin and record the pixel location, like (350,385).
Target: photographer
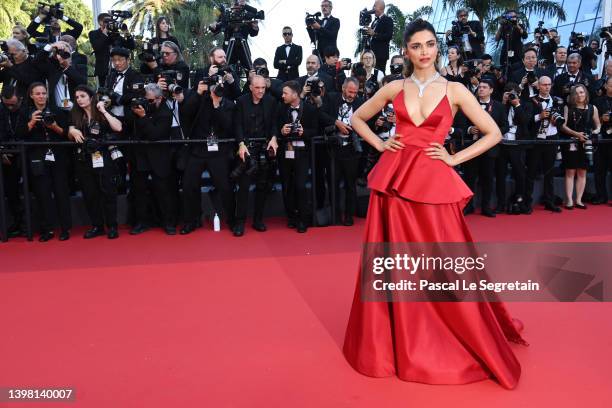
(527,76)
(288,57)
(512,32)
(274,86)
(547,117)
(397,67)
(11,165)
(560,64)
(21,34)
(334,67)
(467,36)
(368,59)
(549,48)
(236,33)
(574,75)
(314,73)
(162,34)
(90,123)
(103,40)
(452,71)
(170,70)
(347,146)
(603,158)
(218,68)
(518,115)
(587,55)
(296,119)
(17,68)
(51,15)
(381,32)
(213,122)
(324,32)
(255,118)
(55,62)
(154,121)
(48,166)
(482,168)
(581,124)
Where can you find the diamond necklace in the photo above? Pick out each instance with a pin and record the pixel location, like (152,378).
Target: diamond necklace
(421,85)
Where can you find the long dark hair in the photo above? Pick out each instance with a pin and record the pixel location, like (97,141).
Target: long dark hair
(414,27)
(78,114)
(158,22)
(459,56)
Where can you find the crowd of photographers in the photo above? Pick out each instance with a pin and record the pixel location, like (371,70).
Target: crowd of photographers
(254,129)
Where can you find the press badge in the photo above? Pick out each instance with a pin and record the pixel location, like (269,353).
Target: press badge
(97,160)
(289,154)
(212,144)
(510,53)
(49,156)
(573,147)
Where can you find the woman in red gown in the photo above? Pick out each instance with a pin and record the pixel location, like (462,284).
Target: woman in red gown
(417,196)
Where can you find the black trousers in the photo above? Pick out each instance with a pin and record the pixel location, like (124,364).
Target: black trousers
(12,175)
(541,156)
(515,156)
(603,165)
(323,172)
(294,175)
(217,165)
(53,194)
(263,179)
(164,194)
(99,188)
(347,167)
(381,64)
(479,172)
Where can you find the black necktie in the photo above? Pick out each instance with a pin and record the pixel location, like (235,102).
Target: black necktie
(572,76)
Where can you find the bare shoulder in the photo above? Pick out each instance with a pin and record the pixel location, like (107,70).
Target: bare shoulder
(393,88)
(458,93)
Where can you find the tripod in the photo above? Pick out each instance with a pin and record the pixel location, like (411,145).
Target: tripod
(246,51)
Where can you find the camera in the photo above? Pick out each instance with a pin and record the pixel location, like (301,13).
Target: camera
(459,28)
(313,18)
(370,88)
(107,96)
(62,53)
(4,55)
(47,117)
(472,68)
(387,126)
(365,17)
(170,76)
(92,145)
(148,53)
(509,19)
(540,29)
(294,128)
(531,77)
(175,89)
(140,101)
(396,69)
(315,86)
(56,10)
(212,80)
(237,15)
(263,71)
(114,24)
(576,41)
(512,96)
(248,167)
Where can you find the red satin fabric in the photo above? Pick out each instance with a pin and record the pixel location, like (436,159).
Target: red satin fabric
(417,199)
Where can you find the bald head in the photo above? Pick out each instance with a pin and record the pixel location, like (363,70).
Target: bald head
(379,7)
(312,64)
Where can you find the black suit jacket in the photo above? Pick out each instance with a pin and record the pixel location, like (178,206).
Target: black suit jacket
(22,75)
(477,43)
(131,77)
(382,36)
(327,35)
(522,119)
(551,71)
(102,44)
(243,118)
(327,80)
(76,74)
(561,83)
(308,118)
(500,116)
(75,30)
(155,125)
(517,77)
(289,70)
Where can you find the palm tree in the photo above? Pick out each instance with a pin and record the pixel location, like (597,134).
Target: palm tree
(144,12)
(11,13)
(489,12)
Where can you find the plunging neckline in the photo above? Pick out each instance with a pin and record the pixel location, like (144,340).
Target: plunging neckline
(403,95)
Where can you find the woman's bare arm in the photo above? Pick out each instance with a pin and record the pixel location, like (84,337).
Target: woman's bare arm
(468,104)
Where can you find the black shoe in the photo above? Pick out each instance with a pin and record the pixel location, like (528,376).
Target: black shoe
(569,207)
(348,221)
(46,236)
(64,235)
(598,201)
(581,206)
(14,230)
(301,228)
(170,230)
(488,213)
(259,226)
(499,210)
(527,209)
(552,207)
(112,233)
(239,229)
(93,232)
(291,223)
(138,229)
(187,229)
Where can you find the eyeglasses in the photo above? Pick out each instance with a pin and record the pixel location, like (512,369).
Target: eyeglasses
(167,52)
(287,34)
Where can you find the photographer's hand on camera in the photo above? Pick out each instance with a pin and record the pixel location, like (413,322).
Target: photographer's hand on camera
(343,127)
(243,151)
(35,119)
(202,87)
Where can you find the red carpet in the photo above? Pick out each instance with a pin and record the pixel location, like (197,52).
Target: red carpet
(209,320)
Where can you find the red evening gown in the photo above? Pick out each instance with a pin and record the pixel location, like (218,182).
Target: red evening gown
(417,199)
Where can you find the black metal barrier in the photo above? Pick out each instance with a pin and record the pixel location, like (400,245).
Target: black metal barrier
(21,149)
